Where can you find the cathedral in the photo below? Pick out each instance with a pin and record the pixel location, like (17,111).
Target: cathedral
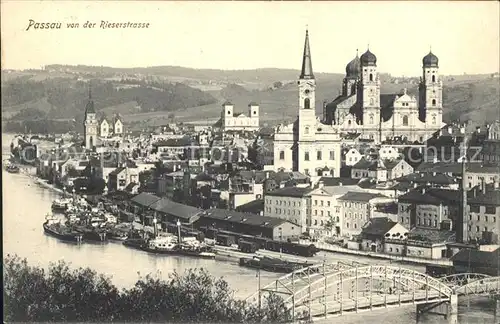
(362,109)
(312,145)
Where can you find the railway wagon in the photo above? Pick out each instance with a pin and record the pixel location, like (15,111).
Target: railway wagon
(247,247)
(438,271)
(226,240)
(266,243)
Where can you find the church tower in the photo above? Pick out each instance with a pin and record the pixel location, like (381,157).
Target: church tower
(370,90)
(90,124)
(350,82)
(307,110)
(431,92)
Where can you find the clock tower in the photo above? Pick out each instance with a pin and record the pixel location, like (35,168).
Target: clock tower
(306,130)
(90,124)
(307,96)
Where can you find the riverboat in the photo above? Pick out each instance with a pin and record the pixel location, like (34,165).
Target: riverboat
(91,233)
(12,168)
(135,243)
(169,245)
(61,204)
(54,228)
(272,264)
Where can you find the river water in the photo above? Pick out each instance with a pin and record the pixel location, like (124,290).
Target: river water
(25,205)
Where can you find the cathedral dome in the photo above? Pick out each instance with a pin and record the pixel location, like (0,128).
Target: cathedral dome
(368,58)
(353,68)
(430,60)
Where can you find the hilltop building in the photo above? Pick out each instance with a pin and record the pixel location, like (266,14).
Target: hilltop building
(95,129)
(231,121)
(362,109)
(110,126)
(307,145)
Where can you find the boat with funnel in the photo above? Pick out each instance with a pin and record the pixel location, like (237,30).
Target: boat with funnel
(55,228)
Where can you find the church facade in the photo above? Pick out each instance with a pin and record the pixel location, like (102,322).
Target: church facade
(362,109)
(232,121)
(307,145)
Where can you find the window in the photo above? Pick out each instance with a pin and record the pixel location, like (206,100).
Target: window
(477,229)
(371,77)
(318,155)
(372,102)
(306,156)
(282,155)
(433,101)
(328,203)
(306,130)
(332,155)
(405,120)
(371,119)
(474,209)
(435,223)
(490,210)
(307,103)
(433,78)
(321,213)
(321,203)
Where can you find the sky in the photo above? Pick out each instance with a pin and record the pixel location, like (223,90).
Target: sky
(238,35)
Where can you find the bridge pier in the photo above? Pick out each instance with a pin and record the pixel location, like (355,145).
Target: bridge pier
(447,309)
(497,310)
(452,310)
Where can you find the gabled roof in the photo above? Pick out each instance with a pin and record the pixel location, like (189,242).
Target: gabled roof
(477,257)
(364,164)
(431,196)
(145,199)
(360,196)
(428,177)
(243,218)
(378,226)
(254,207)
(296,192)
(181,211)
(117,171)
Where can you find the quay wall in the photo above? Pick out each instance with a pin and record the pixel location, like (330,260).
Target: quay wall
(403,259)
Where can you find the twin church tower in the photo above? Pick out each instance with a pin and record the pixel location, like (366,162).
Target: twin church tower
(360,109)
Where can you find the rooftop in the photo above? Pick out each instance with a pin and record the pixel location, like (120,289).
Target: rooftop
(360,196)
(243,218)
(378,226)
(296,192)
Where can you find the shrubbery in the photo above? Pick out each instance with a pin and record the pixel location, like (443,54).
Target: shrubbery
(32,294)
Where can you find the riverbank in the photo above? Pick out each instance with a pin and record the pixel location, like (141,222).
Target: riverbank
(234,255)
(399,259)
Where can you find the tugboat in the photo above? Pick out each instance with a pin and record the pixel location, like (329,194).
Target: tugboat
(54,228)
(178,246)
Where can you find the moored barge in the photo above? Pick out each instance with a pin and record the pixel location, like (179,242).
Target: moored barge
(57,230)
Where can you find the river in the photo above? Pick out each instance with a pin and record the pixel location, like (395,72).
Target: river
(25,205)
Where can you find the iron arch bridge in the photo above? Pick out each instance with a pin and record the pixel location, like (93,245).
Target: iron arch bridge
(332,289)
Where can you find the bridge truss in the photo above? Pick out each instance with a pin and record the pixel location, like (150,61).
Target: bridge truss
(324,290)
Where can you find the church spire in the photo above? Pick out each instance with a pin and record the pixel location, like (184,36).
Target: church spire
(90,92)
(307,71)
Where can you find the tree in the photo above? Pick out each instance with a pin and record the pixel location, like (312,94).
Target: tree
(277,84)
(70,295)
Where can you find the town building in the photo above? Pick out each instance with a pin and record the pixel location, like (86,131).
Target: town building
(361,108)
(381,170)
(231,121)
(357,209)
(477,261)
(250,224)
(374,234)
(288,203)
(307,145)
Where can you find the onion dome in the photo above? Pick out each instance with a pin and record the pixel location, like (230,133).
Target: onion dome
(430,60)
(368,58)
(353,68)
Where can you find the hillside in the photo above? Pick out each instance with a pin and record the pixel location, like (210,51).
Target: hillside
(154,95)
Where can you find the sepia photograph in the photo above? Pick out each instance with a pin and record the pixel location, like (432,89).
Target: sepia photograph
(251,161)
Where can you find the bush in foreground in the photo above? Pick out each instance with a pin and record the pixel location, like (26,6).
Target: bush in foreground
(32,294)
